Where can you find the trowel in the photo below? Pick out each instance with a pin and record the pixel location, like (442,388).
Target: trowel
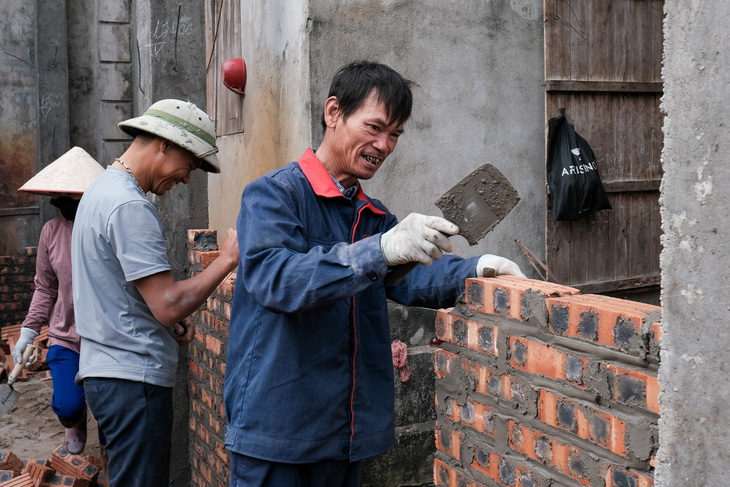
(475,204)
(8,395)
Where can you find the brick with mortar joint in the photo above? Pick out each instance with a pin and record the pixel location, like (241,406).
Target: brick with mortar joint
(556,454)
(633,387)
(477,336)
(505,471)
(446,476)
(546,361)
(611,322)
(618,477)
(585,421)
(444,362)
(449,441)
(478,416)
(506,295)
(202,239)
(449,408)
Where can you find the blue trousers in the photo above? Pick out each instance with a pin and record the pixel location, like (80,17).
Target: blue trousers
(137,422)
(68,401)
(252,472)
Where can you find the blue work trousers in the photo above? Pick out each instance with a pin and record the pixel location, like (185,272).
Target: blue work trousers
(137,422)
(68,401)
(252,472)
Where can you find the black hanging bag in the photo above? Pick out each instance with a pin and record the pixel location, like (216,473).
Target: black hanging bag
(575,185)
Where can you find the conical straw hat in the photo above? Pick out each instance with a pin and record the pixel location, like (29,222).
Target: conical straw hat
(73,172)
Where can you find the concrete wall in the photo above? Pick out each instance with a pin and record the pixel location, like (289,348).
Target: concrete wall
(479,71)
(694,376)
(274,44)
(480,98)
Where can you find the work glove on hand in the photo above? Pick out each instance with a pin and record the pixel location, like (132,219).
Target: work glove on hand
(418,238)
(499,264)
(26,337)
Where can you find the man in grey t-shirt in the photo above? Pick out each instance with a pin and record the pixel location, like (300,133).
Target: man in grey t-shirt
(130,312)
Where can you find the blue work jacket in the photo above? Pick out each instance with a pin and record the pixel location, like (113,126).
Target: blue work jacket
(309,372)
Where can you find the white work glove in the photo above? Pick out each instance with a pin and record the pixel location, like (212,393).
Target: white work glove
(418,238)
(26,337)
(499,264)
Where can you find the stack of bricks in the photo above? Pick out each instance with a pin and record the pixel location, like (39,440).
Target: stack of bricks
(209,458)
(16,286)
(38,369)
(538,385)
(63,469)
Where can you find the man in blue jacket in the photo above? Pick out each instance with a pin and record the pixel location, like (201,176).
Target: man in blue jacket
(309,377)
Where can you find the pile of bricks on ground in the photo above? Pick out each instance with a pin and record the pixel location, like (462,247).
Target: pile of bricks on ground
(538,385)
(9,336)
(63,469)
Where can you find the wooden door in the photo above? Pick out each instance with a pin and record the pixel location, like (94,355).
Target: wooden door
(603,64)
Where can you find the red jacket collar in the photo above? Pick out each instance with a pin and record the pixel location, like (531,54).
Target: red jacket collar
(322,182)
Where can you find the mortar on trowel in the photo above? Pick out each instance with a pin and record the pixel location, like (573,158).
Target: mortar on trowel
(475,204)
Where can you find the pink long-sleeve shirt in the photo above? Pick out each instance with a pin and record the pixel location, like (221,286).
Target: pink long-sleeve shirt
(52,302)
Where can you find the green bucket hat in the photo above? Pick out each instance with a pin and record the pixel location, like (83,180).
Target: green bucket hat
(183,124)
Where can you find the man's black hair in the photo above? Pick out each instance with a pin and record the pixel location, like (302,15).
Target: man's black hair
(353,83)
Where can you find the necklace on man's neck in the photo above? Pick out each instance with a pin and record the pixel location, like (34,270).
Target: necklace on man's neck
(128,170)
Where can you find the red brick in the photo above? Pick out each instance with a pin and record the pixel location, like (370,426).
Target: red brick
(634,387)
(22,480)
(489,381)
(562,457)
(8,461)
(503,295)
(213,344)
(584,421)
(607,321)
(6,475)
(618,477)
(72,465)
(444,362)
(467,333)
(449,441)
(65,481)
(40,472)
(226,287)
(505,471)
(446,476)
(547,361)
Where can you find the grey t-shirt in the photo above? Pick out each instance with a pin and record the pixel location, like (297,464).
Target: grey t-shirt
(117,238)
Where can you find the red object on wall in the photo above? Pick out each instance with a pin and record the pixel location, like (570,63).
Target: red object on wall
(233,73)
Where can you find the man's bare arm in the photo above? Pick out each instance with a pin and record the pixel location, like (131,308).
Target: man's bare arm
(171,301)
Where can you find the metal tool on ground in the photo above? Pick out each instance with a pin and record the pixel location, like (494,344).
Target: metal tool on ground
(475,204)
(8,395)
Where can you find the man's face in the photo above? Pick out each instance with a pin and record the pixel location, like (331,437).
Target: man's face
(176,167)
(363,141)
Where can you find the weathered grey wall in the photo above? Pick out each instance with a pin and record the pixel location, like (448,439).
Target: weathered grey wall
(480,98)
(276,130)
(694,375)
(33,113)
(168,41)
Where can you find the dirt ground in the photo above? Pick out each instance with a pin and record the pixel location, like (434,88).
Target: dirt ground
(30,429)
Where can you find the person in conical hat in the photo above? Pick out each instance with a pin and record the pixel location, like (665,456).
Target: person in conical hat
(64,180)
(129,308)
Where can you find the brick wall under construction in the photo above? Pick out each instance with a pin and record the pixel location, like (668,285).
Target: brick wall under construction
(539,385)
(536,385)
